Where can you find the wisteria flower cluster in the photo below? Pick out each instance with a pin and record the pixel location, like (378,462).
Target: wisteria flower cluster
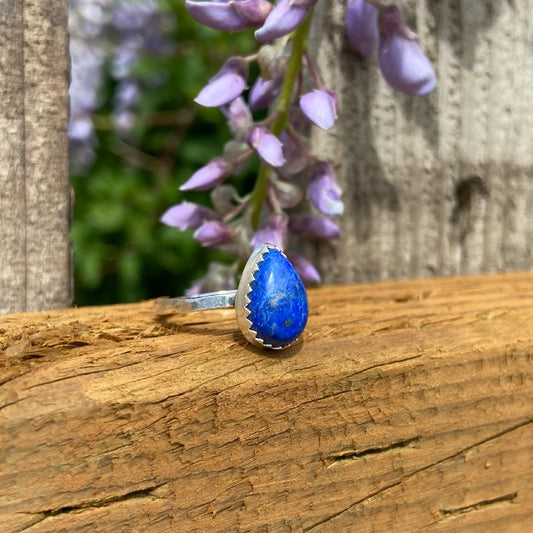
(266,215)
(127,28)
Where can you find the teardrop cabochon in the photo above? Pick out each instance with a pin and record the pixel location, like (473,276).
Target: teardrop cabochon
(271,303)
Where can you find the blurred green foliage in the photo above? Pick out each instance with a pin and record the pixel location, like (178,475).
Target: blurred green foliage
(122,252)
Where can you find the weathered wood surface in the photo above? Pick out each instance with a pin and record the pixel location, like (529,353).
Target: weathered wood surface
(407,407)
(440,185)
(35,255)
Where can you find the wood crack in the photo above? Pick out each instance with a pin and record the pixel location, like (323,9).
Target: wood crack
(479,506)
(418,470)
(386,363)
(7,380)
(81,374)
(8,404)
(336,458)
(147,492)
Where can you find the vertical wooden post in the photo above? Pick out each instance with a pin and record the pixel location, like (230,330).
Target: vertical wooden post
(35,204)
(440,185)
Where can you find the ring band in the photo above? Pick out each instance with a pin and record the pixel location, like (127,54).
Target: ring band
(207,300)
(270,303)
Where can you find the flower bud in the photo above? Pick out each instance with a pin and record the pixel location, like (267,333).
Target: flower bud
(283,19)
(226,85)
(304,3)
(268,59)
(212,174)
(238,117)
(187,216)
(254,12)
(362,26)
(213,233)
(223,199)
(320,107)
(230,16)
(305,269)
(273,231)
(401,60)
(314,227)
(267,146)
(324,191)
(238,153)
(287,193)
(264,92)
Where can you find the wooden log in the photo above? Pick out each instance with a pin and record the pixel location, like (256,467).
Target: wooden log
(35,256)
(408,406)
(438,185)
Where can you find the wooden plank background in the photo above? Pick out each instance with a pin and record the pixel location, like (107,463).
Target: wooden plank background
(440,185)
(35,204)
(407,407)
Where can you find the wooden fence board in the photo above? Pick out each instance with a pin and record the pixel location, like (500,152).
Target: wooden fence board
(437,185)
(35,255)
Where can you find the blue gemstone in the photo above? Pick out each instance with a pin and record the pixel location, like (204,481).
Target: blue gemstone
(278,301)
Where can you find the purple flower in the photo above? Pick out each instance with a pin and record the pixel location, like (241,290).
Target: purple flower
(267,145)
(127,94)
(133,17)
(324,190)
(230,15)
(315,227)
(187,215)
(320,107)
(362,26)
(80,127)
(401,60)
(254,12)
(226,85)
(273,231)
(213,233)
(238,116)
(304,3)
(264,92)
(123,121)
(212,174)
(284,18)
(305,269)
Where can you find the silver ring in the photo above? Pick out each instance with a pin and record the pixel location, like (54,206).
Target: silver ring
(270,303)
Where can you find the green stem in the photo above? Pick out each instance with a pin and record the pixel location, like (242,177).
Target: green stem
(299,44)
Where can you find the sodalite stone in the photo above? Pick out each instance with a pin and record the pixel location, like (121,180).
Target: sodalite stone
(278,301)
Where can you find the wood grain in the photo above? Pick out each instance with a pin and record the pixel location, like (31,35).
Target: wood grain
(35,258)
(408,406)
(441,185)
